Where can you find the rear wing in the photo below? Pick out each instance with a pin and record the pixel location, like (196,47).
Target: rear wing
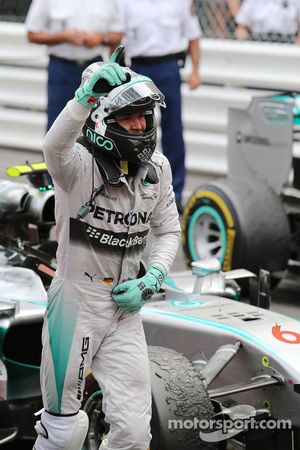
(260,140)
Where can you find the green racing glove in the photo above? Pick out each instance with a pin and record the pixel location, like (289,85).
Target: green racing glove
(105,78)
(133,294)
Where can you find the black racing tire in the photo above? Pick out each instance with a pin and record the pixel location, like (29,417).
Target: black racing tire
(49,247)
(178,395)
(241,222)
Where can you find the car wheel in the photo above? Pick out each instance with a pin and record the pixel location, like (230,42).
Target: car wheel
(241,222)
(49,247)
(179,400)
(92,405)
(177,393)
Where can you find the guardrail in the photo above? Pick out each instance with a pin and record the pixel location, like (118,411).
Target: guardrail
(232,73)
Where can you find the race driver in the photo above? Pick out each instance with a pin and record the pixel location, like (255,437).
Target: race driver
(111,188)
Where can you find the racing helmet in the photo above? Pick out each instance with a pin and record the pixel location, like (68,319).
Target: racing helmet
(139,94)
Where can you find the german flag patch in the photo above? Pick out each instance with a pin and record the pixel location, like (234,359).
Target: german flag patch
(107,281)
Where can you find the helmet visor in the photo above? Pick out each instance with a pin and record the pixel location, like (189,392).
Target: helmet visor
(125,95)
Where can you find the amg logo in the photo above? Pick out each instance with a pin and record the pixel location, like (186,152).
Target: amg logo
(84,350)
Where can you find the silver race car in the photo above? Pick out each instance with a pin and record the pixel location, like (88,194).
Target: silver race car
(225,374)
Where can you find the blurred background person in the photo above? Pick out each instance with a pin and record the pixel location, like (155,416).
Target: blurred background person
(217,17)
(75,32)
(233,7)
(224,13)
(157,36)
(269,20)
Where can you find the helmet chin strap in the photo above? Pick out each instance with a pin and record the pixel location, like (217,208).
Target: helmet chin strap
(124,166)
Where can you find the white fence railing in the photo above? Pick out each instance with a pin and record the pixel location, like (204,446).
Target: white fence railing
(232,73)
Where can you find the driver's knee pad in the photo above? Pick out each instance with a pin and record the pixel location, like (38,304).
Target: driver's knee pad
(61,432)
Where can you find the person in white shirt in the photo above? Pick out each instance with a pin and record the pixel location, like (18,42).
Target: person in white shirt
(157,34)
(75,32)
(271,20)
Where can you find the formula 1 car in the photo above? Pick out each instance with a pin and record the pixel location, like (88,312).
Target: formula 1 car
(213,359)
(251,218)
(26,270)
(210,353)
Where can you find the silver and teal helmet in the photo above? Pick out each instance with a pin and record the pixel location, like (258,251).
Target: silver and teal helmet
(101,129)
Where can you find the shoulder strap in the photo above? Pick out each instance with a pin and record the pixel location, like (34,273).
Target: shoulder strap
(108,168)
(152,176)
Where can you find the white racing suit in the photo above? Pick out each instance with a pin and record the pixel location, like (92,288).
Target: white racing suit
(83,327)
